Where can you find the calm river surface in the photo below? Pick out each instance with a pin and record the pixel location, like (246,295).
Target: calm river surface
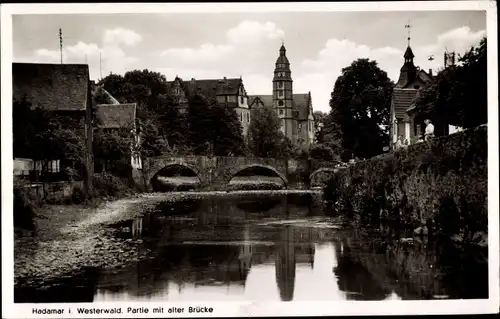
(280,248)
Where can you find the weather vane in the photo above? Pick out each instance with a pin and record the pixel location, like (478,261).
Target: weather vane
(408,26)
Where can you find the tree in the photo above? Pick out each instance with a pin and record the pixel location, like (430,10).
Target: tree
(172,125)
(459,93)
(360,105)
(214,129)
(265,138)
(43,136)
(161,126)
(226,131)
(199,121)
(322,152)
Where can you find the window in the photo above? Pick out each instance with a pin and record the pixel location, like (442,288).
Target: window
(242,99)
(241,117)
(281,112)
(300,127)
(280,85)
(248,117)
(280,94)
(280,103)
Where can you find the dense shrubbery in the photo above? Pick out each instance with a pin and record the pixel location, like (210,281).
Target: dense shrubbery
(24,209)
(105,185)
(441,183)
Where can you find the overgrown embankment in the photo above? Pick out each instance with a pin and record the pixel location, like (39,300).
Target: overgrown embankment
(439,186)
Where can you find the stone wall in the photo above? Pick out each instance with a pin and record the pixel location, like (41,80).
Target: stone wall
(439,185)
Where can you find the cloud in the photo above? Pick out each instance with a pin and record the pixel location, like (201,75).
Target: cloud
(206,53)
(253,32)
(320,73)
(107,57)
(242,53)
(119,36)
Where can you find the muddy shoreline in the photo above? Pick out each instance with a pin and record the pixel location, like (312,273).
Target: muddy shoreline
(72,238)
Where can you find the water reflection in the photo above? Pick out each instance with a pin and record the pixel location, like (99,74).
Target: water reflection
(273,248)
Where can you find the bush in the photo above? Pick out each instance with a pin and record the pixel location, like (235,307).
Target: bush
(107,185)
(321,152)
(25,207)
(442,182)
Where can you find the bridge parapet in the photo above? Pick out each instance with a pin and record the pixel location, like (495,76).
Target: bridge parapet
(220,170)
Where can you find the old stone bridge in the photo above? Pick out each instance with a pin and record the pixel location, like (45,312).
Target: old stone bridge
(218,171)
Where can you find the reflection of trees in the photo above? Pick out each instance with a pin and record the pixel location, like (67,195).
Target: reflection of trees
(417,270)
(464,269)
(259,205)
(354,278)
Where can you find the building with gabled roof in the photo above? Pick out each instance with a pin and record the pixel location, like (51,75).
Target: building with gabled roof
(294,110)
(62,89)
(229,92)
(118,116)
(411,80)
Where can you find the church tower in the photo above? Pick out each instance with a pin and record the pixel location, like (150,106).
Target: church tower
(408,71)
(283,95)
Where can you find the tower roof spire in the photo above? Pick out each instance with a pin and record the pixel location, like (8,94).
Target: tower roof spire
(408,26)
(282,49)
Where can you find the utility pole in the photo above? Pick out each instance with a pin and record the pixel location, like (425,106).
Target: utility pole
(61,44)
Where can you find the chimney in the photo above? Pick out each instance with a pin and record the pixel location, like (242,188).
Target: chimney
(225,80)
(193,81)
(430,72)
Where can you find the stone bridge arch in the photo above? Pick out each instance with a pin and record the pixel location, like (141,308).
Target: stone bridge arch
(237,169)
(155,171)
(325,171)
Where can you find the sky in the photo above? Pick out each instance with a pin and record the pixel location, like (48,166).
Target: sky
(214,45)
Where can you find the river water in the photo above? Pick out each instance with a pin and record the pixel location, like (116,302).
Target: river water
(281,248)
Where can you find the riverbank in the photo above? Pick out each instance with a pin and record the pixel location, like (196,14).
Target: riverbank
(70,238)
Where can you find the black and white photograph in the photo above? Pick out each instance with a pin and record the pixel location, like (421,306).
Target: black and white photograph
(164,159)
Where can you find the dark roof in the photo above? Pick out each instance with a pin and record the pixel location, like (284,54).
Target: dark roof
(424,76)
(402,99)
(52,86)
(109,98)
(301,102)
(409,53)
(267,100)
(210,88)
(282,59)
(116,115)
